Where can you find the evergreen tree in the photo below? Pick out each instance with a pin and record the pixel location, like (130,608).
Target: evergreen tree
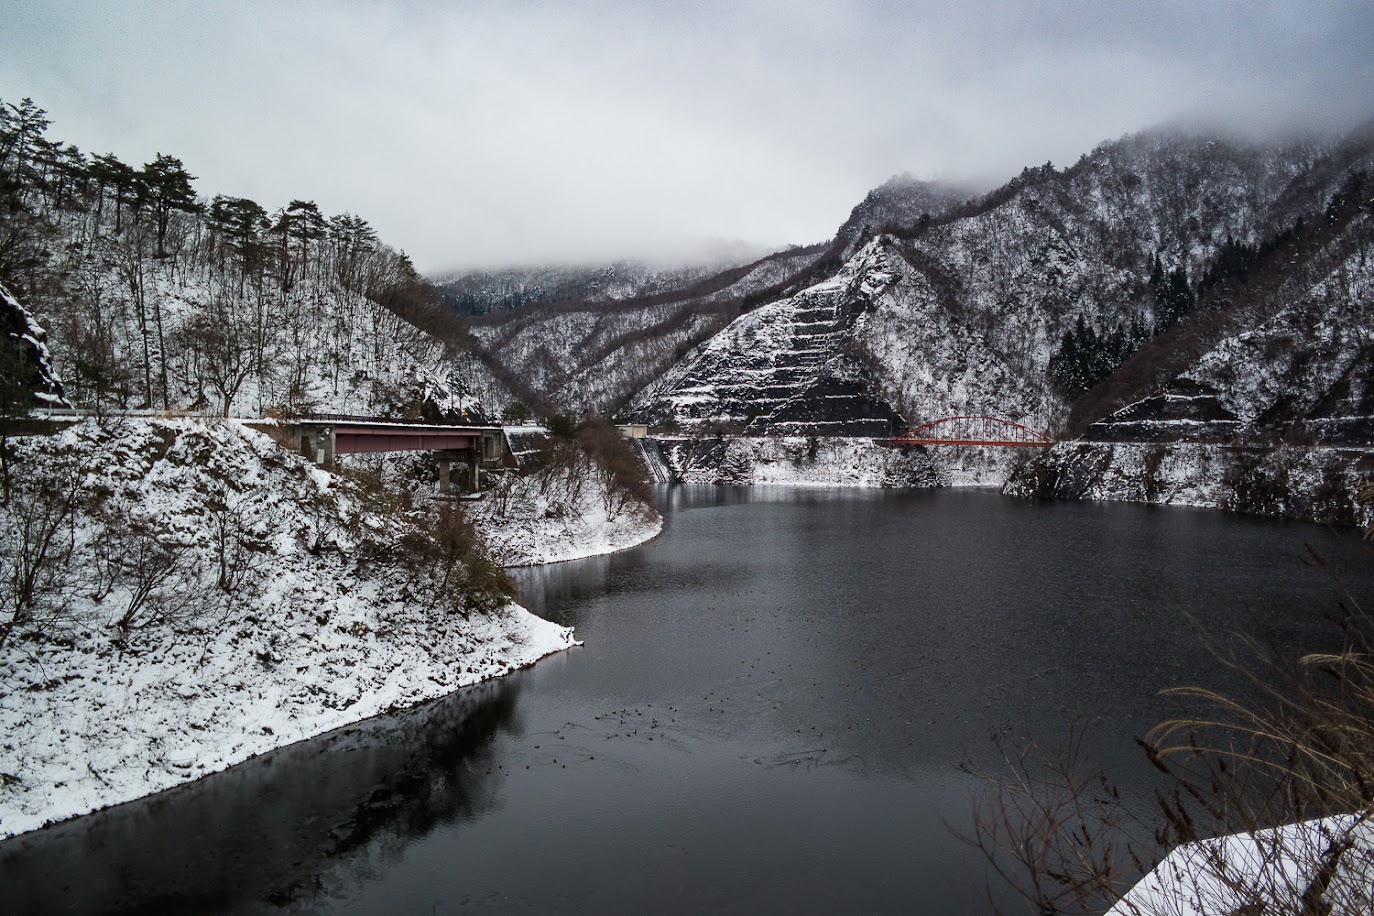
(165,185)
(110,173)
(1173,296)
(298,225)
(21,126)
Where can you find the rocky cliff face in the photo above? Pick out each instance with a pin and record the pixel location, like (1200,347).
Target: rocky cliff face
(29,380)
(1324,485)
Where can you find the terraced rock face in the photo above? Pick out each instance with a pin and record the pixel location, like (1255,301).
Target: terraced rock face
(789,368)
(963,311)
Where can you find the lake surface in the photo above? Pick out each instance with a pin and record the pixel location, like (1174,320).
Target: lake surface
(767,715)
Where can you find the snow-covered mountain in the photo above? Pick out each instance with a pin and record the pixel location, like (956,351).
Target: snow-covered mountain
(1170,286)
(963,310)
(478,292)
(900,203)
(590,355)
(1282,353)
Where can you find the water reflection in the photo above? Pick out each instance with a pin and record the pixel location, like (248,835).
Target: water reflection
(298,826)
(767,713)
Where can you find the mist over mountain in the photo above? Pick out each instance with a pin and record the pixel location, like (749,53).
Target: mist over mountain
(1175,284)
(478,292)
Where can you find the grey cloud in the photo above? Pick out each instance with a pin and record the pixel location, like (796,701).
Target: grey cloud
(482,134)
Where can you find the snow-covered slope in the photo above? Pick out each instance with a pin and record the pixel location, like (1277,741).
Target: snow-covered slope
(901,202)
(208,597)
(1290,355)
(784,367)
(964,309)
(534,519)
(590,355)
(315,347)
(1263,871)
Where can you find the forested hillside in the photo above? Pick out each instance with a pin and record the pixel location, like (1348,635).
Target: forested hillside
(1020,302)
(1169,286)
(590,354)
(155,297)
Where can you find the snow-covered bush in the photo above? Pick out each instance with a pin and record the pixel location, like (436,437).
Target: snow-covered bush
(38,521)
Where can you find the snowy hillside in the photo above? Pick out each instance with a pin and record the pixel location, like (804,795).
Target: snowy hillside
(864,353)
(316,347)
(1217,289)
(591,355)
(208,597)
(1287,355)
(154,297)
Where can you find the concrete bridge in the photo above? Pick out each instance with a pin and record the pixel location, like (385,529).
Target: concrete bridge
(471,448)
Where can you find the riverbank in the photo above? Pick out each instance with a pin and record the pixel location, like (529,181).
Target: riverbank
(1324,485)
(1313,484)
(830,461)
(204,597)
(527,527)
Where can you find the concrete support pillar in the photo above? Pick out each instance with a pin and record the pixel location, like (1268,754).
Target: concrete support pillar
(318,446)
(445,473)
(327,449)
(475,467)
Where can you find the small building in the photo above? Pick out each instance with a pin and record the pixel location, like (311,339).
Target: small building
(633,430)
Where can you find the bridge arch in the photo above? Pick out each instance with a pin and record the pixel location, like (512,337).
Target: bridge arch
(974,430)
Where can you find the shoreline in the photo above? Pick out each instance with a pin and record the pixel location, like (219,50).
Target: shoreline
(322,632)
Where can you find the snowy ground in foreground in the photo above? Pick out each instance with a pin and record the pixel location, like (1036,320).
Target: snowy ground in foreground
(311,638)
(1266,871)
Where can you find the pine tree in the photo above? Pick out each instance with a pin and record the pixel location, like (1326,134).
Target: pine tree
(165,185)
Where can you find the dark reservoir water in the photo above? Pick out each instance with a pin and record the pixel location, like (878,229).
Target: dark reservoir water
(767,716)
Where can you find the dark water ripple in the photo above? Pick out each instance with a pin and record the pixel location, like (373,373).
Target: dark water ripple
(767,716)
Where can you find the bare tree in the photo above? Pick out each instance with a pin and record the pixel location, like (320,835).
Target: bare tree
(157,576)
(221,337)
(37,539)
(237,550)
(1268,806)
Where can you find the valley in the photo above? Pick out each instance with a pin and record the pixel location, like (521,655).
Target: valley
(772,575)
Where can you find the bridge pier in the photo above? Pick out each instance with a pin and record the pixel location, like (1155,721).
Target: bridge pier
(467,459)
(319,445)
(445,468)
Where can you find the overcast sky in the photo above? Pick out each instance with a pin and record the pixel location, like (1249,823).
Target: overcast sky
(485,134)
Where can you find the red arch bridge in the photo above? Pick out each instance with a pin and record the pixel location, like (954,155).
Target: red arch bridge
(973,430)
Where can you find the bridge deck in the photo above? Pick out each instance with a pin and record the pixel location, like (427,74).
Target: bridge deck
(354,437)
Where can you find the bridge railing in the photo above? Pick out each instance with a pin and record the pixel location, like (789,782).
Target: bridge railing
(974,429)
